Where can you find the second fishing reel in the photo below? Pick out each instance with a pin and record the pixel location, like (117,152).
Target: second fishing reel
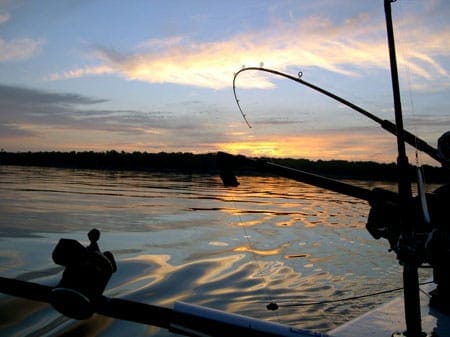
(86,274)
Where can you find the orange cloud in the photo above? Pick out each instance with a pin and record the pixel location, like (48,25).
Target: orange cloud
(340,48)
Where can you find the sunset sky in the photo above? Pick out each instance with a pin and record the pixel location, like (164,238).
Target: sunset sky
(157,76)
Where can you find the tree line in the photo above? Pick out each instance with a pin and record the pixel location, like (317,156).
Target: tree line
(186,162)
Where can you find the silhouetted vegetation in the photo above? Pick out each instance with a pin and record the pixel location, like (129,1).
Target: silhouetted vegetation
(113,160)
(365,170)
(205,163)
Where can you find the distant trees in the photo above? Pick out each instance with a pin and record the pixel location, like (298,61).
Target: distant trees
(205,163)
(113,160)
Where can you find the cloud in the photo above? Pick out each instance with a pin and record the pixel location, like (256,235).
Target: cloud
(33,119)
(80,72)
(339,47)
(19,49)
(36,120)
(4,17)
(10,131)
(34,96)
(18,103)
(26,106)
(25,111)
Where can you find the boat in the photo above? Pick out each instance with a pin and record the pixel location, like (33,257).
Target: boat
(416,228)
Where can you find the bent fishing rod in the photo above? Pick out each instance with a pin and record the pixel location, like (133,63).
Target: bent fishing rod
(387,125)
(407,240)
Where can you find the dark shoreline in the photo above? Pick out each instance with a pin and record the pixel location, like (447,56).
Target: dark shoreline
(184,162)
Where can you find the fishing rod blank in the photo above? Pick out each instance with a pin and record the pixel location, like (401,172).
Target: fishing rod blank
(227,163)
(183,319)
(410,138)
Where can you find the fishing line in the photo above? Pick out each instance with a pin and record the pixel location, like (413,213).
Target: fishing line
(421,189)
(260,272)
(385,124)
(347,298)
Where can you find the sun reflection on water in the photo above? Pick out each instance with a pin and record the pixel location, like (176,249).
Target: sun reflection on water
(185,237)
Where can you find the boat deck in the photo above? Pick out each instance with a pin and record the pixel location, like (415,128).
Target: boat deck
(390,318)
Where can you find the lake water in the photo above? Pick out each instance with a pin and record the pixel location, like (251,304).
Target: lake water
(186,237)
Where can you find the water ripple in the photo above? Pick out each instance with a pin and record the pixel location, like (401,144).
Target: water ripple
(185,237)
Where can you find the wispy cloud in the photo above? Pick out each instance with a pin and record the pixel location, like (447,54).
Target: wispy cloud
(340,47)
(4,17)
(20,108)
(81,72)
(34,96)
(48,117)
(19,49)
(45,118)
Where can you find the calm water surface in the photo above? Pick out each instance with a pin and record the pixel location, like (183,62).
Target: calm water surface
(185,237)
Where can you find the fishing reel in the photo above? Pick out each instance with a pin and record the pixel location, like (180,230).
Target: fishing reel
(430,242)
(427,241)
(86,274)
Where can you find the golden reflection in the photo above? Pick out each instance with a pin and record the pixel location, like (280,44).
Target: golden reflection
(218,244)
(283,203)
(157,274)
(265,252)
(213,270)
(221,264)
(288,223)
(310,224)
(255,222)
(155,259)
